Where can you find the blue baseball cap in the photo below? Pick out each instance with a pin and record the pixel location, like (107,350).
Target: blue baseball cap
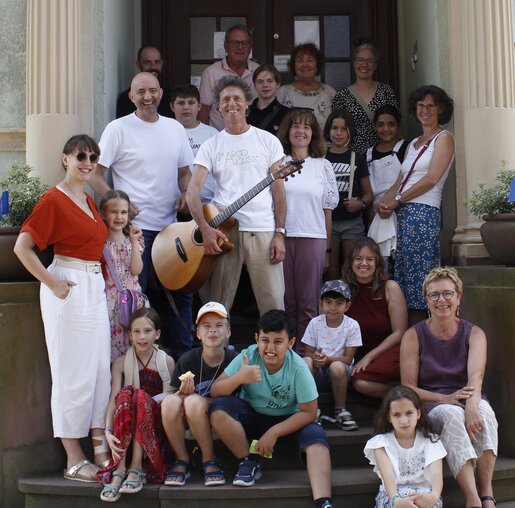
(336,286)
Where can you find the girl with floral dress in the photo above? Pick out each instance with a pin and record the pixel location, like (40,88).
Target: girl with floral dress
(124,248)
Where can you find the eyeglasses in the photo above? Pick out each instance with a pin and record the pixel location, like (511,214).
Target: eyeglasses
(368,61)
(82,156)
(447,295)
(237,44)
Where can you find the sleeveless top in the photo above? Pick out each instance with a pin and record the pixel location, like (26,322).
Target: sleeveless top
(373,317)
(433,197)
(443,363)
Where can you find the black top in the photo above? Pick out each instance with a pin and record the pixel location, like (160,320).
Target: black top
(190,361)
(268,118)
(124,106)
(341,168)
(376,154)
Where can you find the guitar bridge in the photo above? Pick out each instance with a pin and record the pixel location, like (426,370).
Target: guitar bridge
(180,250)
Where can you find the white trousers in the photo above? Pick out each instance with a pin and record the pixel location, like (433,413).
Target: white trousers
(449,421)
(78,340)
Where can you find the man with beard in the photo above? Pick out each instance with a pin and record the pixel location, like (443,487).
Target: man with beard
(148,60)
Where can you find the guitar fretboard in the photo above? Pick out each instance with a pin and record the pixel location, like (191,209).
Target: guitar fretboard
(234,207)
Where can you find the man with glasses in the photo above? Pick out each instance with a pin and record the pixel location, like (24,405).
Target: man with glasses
(148,60)
(238,45)
(149,156)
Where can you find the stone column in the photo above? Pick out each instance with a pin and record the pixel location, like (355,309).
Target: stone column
(54,31)
(482,71)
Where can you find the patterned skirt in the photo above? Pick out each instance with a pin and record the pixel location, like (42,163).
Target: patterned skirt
(137,416)
(418,249)
(383,501)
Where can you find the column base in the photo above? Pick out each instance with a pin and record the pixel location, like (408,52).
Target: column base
(467,247)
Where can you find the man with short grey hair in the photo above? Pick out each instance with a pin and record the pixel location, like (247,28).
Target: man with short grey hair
(239,157)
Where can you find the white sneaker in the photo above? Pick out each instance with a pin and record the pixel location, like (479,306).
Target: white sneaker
(344,418)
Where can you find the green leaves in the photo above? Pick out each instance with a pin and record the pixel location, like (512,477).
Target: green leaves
(24,192)
(493,200)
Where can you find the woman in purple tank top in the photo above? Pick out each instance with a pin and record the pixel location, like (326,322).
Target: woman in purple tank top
(443,360)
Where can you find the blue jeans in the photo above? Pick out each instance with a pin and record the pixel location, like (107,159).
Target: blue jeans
(180,338)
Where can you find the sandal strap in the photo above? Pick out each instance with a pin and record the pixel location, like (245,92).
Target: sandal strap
(73,470)
(212,463)
(136,470)
(488,498)
(181,463)
(120,474)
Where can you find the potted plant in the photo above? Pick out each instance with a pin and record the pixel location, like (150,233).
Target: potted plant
(20,193)
(493,205)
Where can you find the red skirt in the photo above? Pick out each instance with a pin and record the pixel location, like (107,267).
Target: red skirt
(384,369)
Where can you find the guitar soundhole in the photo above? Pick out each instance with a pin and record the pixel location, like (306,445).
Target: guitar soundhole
(197,236)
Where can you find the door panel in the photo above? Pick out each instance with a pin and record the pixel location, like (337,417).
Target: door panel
(183,30)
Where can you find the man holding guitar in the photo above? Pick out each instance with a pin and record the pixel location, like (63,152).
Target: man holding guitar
(239,157)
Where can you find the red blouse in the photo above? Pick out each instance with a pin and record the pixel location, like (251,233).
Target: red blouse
(56,220)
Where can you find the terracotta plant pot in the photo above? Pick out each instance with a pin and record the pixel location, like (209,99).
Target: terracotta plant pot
(498,235)
(11,269)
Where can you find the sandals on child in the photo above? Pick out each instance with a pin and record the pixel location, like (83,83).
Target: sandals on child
(73,472)
(488,498)
(215,477)
(133,486)
(178,478)
(114,490)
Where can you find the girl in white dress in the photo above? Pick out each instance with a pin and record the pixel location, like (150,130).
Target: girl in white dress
(405,455)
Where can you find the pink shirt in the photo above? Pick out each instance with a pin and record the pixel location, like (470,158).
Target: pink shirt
(211,75)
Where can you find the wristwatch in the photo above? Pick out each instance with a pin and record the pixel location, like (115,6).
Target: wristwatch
(398,198)
(281,230)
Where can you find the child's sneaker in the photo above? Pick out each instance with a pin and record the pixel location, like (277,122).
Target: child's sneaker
(344,418)
(248,472)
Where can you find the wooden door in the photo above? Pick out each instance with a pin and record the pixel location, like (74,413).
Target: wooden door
(184,31)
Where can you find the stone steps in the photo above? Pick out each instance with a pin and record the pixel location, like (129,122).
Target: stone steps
(284,484)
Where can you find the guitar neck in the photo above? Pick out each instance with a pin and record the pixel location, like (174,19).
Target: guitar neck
(241,201)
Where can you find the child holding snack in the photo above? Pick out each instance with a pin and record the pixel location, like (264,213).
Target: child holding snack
(277,400)
(188,407)
(331,340)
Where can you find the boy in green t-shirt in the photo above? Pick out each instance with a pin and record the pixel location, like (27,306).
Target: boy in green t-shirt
(277,399)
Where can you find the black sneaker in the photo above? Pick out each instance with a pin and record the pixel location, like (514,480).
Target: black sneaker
(248,472)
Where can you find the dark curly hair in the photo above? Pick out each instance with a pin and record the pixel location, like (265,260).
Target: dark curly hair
(440,97)
(307,48)
(276,321)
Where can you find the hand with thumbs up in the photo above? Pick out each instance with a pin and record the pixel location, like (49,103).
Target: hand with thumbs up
(249,373)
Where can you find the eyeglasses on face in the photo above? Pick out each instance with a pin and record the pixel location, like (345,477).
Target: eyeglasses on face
(236,44)
(435,296)
(82,156)
(368,61)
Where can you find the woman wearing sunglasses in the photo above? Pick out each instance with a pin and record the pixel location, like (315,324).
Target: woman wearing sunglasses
(443,360)
(73,305)
(364,96)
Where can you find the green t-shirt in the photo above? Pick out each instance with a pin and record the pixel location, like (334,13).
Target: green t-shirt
(280,393)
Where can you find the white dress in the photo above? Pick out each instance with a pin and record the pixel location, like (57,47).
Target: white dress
(410,465)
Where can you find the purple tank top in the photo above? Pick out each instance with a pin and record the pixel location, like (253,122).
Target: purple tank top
(443,363)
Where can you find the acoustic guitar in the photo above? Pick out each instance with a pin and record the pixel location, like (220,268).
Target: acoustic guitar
(178,253)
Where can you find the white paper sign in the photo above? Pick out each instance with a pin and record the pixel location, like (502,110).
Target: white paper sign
(281,62)
(195,80)
(218,45)
(307,31)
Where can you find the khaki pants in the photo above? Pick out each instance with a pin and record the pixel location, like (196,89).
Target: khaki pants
(253,249)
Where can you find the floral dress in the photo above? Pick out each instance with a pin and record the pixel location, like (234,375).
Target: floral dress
(121,256)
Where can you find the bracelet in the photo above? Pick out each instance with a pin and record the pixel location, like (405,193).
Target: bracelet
(109,429)
(392,501)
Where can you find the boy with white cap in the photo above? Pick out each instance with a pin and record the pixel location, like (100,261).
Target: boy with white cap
(331,340)
(188,407)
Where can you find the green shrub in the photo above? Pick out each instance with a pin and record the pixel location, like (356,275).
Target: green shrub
(24,192)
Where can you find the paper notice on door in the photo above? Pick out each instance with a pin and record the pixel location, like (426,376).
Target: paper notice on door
(281,62)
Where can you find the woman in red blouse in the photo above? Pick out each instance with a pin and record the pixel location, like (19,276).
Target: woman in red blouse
(379,307)
(73,305)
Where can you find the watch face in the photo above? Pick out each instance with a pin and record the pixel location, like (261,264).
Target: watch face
(398,197)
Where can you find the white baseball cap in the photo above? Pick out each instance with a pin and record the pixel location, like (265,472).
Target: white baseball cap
(214,307)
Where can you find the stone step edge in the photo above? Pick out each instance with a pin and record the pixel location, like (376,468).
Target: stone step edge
(345,480)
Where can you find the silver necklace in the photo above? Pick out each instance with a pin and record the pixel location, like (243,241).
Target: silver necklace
(208,388)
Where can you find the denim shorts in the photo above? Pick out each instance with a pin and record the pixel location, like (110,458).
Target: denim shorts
(350,229)
(256,424)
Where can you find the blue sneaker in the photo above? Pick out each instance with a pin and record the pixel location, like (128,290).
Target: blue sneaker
(248,472)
